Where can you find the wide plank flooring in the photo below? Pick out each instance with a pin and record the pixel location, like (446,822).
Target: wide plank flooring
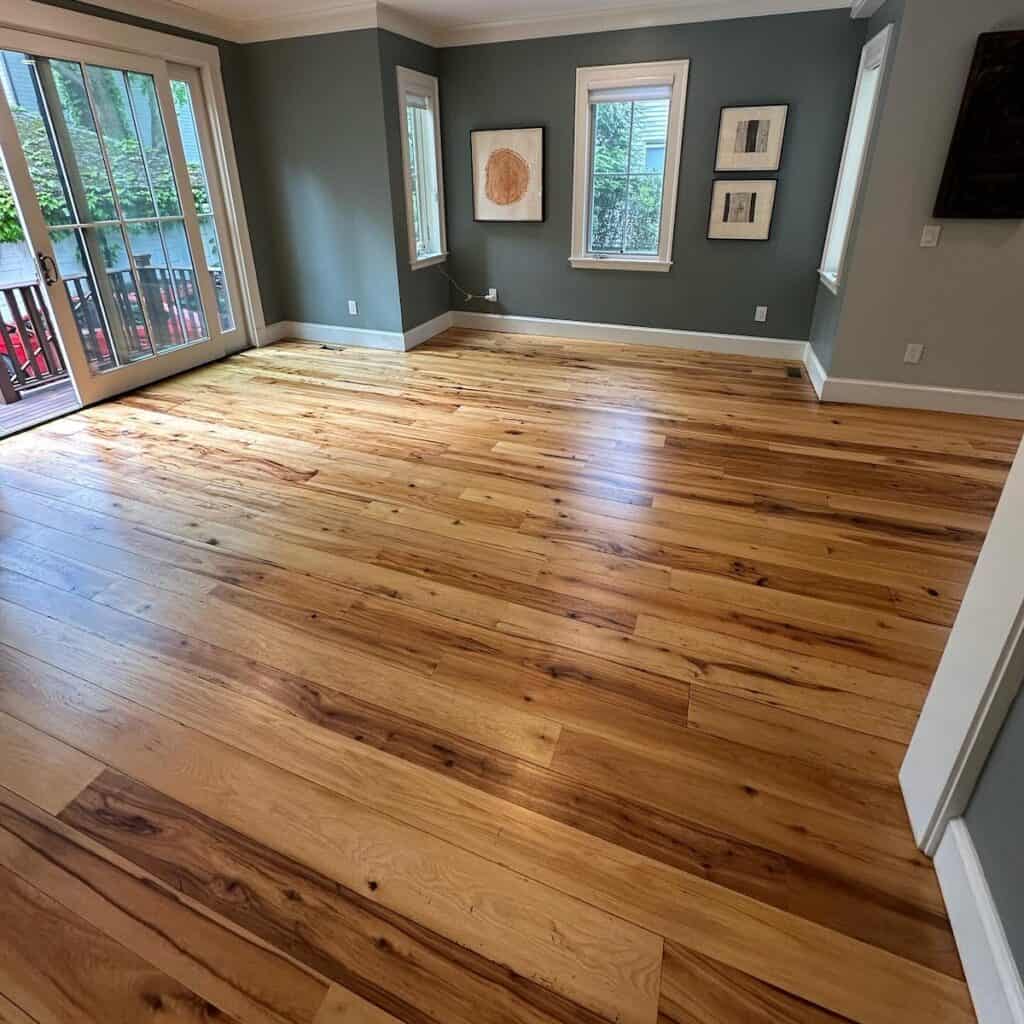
(505,681)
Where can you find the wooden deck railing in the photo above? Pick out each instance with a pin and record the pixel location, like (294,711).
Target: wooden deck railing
(30,351)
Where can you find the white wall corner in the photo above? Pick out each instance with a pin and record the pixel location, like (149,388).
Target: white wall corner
(624,334)
(993,977)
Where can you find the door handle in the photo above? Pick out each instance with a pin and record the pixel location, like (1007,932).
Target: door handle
(47,268)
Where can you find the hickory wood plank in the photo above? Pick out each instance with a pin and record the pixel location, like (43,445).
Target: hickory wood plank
(342,1007)
(56,969)
(238,974)
(386,960)
(559,941)
(11,1013)
(745,933)
(698,990)
(40,768)
(294,444)
(829,748)
(681,842)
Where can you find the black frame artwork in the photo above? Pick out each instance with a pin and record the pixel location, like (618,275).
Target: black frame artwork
(984,175)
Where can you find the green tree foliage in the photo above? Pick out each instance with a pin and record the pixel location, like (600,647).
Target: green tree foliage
(129,171)
(626,199)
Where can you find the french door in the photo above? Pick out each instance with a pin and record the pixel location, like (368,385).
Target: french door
(110,162)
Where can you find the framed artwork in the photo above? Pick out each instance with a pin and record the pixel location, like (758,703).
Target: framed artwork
(508,174)
(742,209)
(750,138)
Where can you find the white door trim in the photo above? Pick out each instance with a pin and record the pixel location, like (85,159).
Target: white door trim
(57,23)
(977,678)
(992,975)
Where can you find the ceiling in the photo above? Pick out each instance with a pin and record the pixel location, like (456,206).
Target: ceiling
(447,22)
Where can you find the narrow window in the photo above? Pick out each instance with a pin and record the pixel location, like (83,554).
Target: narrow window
(421,162)
(859,132)
(629,131)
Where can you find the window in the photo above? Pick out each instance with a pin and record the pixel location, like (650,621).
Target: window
(859,131)
(421,162)
(629,132)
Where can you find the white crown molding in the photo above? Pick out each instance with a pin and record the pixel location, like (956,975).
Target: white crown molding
(348,17)
(613,19)
(336,18)
(169,12)
(865,8)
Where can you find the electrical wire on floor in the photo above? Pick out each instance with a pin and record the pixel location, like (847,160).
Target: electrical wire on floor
(467,296)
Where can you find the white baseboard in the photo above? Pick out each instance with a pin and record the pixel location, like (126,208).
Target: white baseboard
(355,337)
(992,974)
(851,391)
(815,371)
(426,331)
(623,334)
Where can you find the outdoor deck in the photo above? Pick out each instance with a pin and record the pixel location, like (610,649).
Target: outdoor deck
(37,407)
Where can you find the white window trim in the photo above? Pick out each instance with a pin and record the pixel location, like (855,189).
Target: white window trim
(873,57)
(424,85)
(673,72)
(114,35)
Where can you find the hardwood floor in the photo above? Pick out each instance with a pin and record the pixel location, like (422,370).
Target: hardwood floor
(506,680)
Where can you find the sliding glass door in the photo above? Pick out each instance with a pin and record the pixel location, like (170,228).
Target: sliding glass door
(124,225)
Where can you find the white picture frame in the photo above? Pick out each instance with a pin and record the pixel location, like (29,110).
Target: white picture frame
(750,138)
(742,210)
(508,174)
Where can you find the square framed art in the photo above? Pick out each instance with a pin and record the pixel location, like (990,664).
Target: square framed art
(750,138)
(742,210)
(508,174)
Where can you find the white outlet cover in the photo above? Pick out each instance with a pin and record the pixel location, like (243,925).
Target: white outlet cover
(913,353)
(353,307)
(761,314)
(930,236)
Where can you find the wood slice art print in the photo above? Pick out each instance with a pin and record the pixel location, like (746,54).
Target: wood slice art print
(508,174)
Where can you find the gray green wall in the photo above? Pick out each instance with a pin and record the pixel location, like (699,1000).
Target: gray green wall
(959,299)
(423,293)
(806,60)
(995,820)
(320,152)
(827,304)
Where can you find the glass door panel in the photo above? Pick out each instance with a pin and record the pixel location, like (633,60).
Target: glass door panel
(195,141)
(98,156)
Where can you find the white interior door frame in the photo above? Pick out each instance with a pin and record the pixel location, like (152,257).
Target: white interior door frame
(42,19)
(977,679)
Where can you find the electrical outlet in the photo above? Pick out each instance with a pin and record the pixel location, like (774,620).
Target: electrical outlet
(761,314)
(930,236)
(353,307)
(492,295)
(913,354)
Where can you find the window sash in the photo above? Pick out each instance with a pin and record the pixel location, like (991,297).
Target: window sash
(622,83)
(421,165)
(860,130)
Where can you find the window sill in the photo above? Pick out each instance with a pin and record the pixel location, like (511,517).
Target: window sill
(621,263)
(829,280)
(428,261)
